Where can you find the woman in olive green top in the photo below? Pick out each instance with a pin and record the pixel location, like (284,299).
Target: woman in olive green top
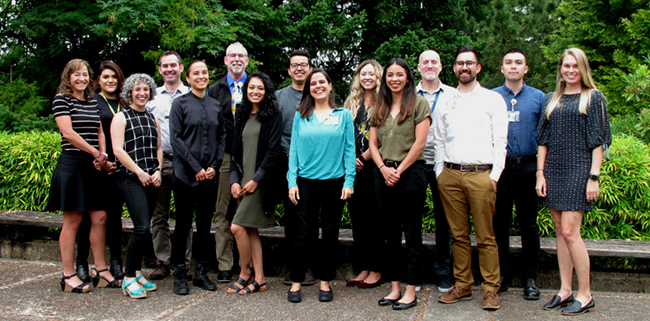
(400,125)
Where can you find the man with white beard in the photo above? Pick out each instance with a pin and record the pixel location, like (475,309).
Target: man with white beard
(228,91)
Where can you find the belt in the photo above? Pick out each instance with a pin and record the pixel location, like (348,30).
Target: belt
(392,164)
(469,168)
(521,160)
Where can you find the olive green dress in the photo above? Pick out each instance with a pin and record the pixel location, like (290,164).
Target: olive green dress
(249,212)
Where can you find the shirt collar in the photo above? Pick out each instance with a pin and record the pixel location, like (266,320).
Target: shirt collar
(231,82)
(510,92)
(419,89)
(181,89)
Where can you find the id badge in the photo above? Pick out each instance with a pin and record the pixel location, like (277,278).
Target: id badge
(332,120)
(513,116)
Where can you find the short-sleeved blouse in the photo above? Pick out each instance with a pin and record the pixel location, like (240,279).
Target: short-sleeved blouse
(84,117)
(395,140)
(571,137)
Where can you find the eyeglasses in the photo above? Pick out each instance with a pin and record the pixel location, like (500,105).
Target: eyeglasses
(302,65)
(235,55)
(467,63)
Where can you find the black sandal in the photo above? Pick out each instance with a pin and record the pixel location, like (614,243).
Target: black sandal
(101,282)
(256,288)
(65,287)
(240,281)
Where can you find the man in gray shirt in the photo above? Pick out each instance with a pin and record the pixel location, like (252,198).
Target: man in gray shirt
(288,100)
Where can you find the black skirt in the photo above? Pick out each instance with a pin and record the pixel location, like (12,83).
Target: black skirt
(76,184)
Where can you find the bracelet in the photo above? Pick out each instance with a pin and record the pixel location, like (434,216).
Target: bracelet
(100,154)
(540,169)
(157,170)
(382,166)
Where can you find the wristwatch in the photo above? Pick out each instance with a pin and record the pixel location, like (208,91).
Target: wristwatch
(594,177)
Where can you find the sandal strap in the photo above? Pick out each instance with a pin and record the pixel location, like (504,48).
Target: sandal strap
(100,271)
(255,285)
(63,276)
(241,282)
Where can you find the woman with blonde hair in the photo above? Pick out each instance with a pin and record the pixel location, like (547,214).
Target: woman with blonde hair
(74,187)
(571,134)
(363,207)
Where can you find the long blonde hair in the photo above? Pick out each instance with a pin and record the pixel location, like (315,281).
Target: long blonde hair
(358,94)
(560,86)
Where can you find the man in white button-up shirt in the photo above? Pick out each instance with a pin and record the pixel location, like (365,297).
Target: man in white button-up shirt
(470,136)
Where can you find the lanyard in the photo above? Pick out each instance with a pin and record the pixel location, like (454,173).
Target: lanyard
(435,101)
(109,104)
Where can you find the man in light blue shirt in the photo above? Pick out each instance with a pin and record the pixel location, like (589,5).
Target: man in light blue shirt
(171,67)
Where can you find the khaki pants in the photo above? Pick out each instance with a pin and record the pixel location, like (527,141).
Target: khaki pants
(222,234)
(460,193)
(160,220)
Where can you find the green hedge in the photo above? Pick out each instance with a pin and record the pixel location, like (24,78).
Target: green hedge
(27,160)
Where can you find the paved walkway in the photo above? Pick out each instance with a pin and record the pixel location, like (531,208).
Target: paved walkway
(30,290)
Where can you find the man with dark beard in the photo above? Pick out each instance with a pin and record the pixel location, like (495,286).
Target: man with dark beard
(228,91)
(470,136)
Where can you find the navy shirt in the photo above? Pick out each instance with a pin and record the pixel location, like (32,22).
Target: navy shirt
(521,134)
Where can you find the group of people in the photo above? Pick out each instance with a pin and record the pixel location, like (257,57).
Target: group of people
(243,147)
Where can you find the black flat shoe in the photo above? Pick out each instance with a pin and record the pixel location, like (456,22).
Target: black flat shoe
(556,303)
(576,307)
(83,273)
(294,297)
(325,296)
(531,292)
(386,302)
(404,306)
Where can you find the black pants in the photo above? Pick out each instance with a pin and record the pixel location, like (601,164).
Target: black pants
(400,208)
(113,223)
(199,199)
(517,184)
(324,197)
(366,225)
(141,201)
(442,263)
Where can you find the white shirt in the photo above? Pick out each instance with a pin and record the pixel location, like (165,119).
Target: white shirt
(472,129)
(160,107)
(446,94)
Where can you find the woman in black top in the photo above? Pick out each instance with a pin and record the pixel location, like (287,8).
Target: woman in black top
(255,152)
(108,86)
(366,226)
(74,187)
(198,135)
(138,150)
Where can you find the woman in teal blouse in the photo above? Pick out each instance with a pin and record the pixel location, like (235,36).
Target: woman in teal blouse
(321,163)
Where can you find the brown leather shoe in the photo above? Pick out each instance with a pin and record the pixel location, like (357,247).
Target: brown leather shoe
(161,272)
(455,294)
(491,301)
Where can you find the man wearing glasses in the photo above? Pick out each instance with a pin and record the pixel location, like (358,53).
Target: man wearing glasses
(470,136)
(288,100)
(517,182)
(228,91)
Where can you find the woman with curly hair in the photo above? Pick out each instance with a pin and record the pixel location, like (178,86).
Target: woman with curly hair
(108,86)
(363,206)
(74,187)
(255,152)
(137,147)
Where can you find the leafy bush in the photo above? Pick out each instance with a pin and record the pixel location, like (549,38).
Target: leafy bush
(21,108)
(27,161)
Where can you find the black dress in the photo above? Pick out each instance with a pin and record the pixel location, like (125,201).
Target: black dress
(571,137)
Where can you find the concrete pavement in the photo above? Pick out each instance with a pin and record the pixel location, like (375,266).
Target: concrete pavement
(29,290)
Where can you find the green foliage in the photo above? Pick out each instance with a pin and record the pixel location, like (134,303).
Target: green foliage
(20,107)
(27,161)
